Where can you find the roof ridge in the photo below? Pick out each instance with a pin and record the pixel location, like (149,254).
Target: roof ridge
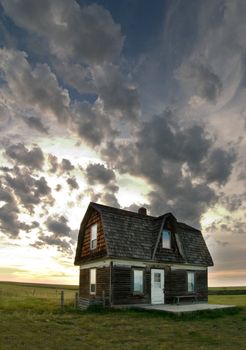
(123,211)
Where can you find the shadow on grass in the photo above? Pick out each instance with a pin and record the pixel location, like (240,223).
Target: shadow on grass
(197,315)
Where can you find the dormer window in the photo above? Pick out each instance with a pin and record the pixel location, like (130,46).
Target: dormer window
(166,239)
(93,242)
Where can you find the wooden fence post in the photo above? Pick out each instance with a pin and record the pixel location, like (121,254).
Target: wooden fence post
(62,300)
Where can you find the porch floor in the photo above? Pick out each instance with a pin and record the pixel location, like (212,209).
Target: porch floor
(177,309)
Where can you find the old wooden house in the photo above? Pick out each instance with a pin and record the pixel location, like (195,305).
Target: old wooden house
(131,258)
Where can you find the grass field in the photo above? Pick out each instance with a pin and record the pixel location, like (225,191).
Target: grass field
(30,318)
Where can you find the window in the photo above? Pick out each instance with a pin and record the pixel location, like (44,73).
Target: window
(157,280)
(93,243)
(166,239)
(138,281)
(191,282)
(92,281)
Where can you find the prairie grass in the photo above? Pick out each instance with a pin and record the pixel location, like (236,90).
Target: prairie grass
(35,321)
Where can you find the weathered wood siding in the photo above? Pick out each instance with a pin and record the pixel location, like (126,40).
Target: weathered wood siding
(102,295)
(122,286)
(176,284)
(100,250)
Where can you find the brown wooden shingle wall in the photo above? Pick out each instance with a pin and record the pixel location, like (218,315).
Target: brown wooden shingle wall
(122,287)
(102,287)
(87,253)
(176,284)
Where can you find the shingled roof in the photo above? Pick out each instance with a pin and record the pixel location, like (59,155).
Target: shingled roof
(135,236)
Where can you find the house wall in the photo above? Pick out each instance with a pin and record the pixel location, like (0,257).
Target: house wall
(176,284)
(86,252)
(122,286)
(121,291)
(102,295)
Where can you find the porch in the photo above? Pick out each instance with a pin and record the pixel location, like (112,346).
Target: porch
(177,309)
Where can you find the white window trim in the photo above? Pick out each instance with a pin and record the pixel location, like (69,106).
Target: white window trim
(170,245)
(93,292)
(91,238)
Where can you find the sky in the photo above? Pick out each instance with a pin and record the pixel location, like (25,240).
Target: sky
(126,103)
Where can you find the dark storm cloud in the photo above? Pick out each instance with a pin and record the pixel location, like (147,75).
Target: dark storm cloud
(118,96)
(91,124)
(177,162)
(35,123)
(98,173)
(36,87)
(219,165)
(32,158)
(72,183)
(46,241)
(82,33)
(29,190)
(58,225)
(205,82)
(60,237)
(9,221)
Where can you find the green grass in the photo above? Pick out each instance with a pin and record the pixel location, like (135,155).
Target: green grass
(35,321)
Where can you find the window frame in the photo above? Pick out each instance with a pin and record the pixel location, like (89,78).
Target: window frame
(170,239)
(93,239)
(137,292)
(191,273)
(93,292)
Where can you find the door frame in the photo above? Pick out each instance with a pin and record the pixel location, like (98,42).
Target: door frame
(151,274)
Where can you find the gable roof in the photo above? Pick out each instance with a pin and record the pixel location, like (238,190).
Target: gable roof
(136,236)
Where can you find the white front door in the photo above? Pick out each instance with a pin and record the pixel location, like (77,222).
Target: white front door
(157,286)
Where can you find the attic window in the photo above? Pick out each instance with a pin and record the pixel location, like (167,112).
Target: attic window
(93,242)
(166,239)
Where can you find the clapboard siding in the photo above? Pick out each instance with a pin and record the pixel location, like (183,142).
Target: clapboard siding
(86,252)
(176,284)
(122,286)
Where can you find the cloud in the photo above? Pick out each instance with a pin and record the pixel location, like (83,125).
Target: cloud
(119,97)
(58,226)
(218,165)
(60,235)
(36,88)
(91,123)
(35,123)
(86,34)
(179,163)
(9,220)
(29,190)
(66,165)
(33,158)
(73,184)
(205,82)
(46,241)
(53,162)
(98,173)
